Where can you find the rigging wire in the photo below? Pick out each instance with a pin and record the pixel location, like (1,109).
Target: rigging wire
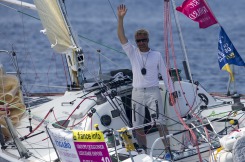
(98,82)
(19,11)
(103,55)
(96,42)
(25,48)
(112,9)
(176,122)
(28,56)
(101,44)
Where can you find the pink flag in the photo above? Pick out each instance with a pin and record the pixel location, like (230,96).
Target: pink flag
(198,11)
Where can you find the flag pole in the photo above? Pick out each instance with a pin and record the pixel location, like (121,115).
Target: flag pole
(228,87)
(232,67)
(186,62)
(231,83)
(234,82)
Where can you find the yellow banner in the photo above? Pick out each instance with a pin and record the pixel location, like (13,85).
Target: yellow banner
(88,136)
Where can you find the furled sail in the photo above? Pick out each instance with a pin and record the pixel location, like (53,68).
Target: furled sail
(55,26)
(11,100)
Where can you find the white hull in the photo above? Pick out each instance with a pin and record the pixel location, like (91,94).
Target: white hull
(41,148)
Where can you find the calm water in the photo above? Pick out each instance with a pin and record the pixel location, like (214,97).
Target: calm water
(95,20)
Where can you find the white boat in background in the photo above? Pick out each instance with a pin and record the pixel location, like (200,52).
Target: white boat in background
(76,125)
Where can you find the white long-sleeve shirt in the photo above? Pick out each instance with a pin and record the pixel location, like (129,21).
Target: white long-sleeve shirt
(152,61)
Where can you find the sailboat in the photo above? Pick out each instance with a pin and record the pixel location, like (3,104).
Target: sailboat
(91,120)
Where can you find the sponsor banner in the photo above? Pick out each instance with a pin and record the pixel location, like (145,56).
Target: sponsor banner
(88,136)
(63,142)
(91,146)
(198,11)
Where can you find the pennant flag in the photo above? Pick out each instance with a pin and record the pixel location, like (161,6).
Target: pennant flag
(227,53)
(198,11)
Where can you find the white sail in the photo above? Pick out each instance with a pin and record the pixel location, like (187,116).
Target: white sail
(55,27)
(59,33)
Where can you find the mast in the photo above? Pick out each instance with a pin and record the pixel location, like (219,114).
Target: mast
(76,54)
(185,62)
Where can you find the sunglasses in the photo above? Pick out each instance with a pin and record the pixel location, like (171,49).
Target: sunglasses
(141,40)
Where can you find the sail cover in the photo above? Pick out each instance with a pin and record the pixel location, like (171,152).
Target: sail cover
(54,24)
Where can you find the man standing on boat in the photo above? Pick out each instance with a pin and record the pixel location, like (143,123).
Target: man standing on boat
(146,65)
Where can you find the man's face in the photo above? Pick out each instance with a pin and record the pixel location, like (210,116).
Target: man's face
(142,42)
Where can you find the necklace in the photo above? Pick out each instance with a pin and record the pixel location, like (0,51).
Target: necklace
(143,69)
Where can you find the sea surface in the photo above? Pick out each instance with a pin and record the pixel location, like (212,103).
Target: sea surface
(95,24)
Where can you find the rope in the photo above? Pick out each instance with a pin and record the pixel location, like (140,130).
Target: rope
(101,44)
(167,32)
(76,109)
(40,122)
(79,122)
(112,9)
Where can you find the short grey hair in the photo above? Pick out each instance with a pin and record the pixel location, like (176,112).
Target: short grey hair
(141,32)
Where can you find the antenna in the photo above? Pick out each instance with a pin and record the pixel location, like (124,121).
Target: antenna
(100,69)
